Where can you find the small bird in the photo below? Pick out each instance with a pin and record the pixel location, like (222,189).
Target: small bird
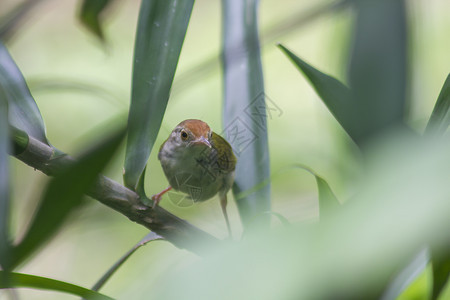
(197,162)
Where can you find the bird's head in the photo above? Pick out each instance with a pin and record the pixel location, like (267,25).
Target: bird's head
(192,133)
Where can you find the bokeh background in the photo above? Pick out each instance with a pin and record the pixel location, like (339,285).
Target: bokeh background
(79,83)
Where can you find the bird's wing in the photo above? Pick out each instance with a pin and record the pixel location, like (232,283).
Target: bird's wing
(225,156)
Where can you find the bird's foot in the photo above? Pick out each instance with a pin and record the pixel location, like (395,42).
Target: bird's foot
(157,197)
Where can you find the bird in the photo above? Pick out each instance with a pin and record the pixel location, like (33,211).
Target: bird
(198,162)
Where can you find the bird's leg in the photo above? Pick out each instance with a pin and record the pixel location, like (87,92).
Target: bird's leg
(223,204)
(157,197)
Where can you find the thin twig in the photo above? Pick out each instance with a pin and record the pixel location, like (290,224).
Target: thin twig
(148,238)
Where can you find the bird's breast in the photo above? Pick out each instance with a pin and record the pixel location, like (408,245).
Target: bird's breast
(193,171)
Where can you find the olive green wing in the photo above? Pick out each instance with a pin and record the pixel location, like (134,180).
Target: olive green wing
(225,156)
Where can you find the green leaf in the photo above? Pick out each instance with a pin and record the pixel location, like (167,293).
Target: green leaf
(376,98)
(440,117)
(23,111)
(378,65)
(283,220)
(20,140)
(441,271)
(244,113)
(392,216)
(64,193)
(160,34)
(328,201)
(81,86)
(43,283)
(147,239)
(407,276)
(334,94)
(5,242)
(284,26)
(90,15)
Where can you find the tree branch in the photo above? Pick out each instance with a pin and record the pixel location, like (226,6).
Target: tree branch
(112,194)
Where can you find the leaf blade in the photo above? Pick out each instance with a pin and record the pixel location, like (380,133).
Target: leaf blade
(245,111)
(440,117)
(327,199)
(23,111)
(5,242)
(378,64)
(440,261)
(38,282)
(334,94)
(90,16)
(328,202)
(407,275)
(160,34)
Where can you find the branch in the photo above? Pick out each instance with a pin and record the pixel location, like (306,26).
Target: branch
(112,194)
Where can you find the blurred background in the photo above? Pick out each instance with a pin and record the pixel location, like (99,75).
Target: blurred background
(79,84)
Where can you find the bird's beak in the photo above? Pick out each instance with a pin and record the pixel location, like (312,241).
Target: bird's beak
(202,140)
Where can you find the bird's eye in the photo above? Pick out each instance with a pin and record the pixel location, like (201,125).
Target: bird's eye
(184,135)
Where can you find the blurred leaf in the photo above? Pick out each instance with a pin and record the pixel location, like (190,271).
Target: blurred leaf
(10,22)
(440,117)
(72,85)
(356,254)
(335,95)
(23,111)
(160,34)
(19,140)
(327,200)
(244,113)
(253,189)
(293,21)
(5,242)
(376,98)
(43,283)
(64,193)
(148,238)
(284,221)
(378,65)
(407,276)
(441,271)
(419,289)
(90,15)
(284,26)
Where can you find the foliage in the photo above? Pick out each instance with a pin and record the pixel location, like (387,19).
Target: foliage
(244,111)
(399,206)
(161,29)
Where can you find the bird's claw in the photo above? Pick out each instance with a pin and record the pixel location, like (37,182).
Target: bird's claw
(156,199)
